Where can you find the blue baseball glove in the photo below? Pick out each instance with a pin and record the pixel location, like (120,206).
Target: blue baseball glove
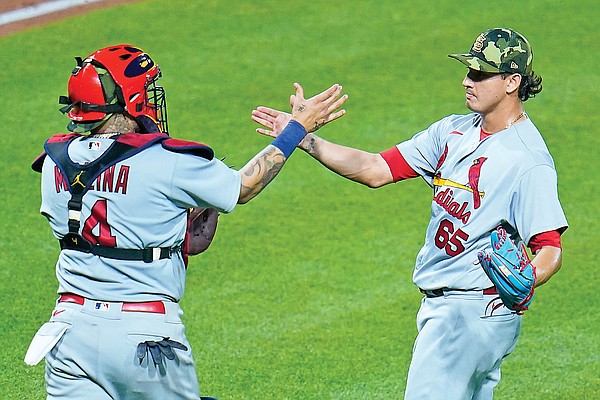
(508,266)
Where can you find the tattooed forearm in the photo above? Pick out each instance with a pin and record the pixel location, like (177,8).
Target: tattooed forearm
(312,142)
(259,172)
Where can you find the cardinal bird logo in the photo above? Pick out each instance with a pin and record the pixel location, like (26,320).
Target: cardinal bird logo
(445,198)
(474,174)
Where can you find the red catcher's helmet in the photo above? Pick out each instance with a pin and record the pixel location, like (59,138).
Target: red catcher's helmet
(116,79)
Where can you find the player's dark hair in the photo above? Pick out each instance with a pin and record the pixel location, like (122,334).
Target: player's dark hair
(531,84)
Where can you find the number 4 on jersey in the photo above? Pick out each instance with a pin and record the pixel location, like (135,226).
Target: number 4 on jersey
(98,219)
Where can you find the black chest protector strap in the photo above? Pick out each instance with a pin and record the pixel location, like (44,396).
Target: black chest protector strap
(79,179)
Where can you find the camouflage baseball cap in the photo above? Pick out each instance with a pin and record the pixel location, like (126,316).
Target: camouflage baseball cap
(499,50)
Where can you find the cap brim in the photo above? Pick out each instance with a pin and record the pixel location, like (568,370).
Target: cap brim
(474,63)
(88,126)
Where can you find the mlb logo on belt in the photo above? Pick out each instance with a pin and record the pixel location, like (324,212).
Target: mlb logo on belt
(101,306)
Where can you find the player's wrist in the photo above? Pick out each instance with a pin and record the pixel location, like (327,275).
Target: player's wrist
(291,136)
(309,143)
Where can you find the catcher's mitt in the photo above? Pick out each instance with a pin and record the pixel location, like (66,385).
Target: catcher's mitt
(509,268)
(202,225)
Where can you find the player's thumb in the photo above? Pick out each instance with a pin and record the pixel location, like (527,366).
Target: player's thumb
(299,90)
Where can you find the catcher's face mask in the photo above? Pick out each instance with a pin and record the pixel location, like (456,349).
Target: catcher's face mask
(116,79)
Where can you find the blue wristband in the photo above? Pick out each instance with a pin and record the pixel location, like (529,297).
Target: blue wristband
(289,138)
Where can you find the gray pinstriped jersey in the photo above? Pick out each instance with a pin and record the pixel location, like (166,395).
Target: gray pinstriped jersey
(139,203)
(509,175)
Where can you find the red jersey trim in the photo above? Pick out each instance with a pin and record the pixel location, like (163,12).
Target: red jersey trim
(550,238)
(483,135)
(398,166)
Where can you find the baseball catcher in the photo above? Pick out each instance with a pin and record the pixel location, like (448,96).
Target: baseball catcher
(128,203)
(508,266)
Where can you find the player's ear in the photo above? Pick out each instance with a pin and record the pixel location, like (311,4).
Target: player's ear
(512,83)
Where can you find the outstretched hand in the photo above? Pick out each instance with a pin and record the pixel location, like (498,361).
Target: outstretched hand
(319,110)
(273,120)
(312,113)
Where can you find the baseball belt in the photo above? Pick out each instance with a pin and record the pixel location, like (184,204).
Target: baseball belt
(156,307)
(440,292)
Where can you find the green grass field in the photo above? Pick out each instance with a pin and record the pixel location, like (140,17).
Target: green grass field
(306,292)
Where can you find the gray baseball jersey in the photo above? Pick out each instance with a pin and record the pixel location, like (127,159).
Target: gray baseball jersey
(138,203)
(508,176)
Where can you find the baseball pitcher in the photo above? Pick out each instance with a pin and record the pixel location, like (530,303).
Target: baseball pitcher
(491,174)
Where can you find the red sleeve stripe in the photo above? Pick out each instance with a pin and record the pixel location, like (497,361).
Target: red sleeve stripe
(398,166)
(550,238)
